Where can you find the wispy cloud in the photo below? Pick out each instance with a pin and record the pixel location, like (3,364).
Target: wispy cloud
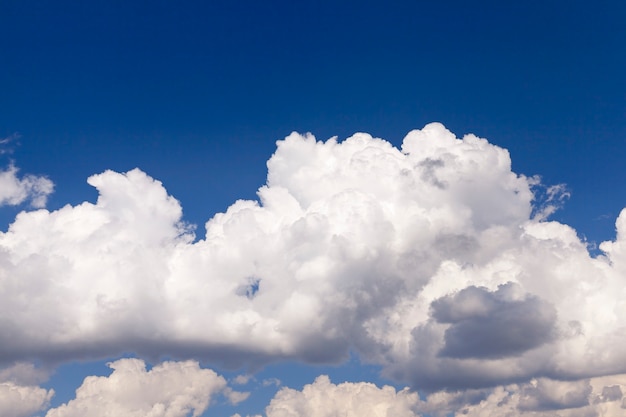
(15,190)
(5,143)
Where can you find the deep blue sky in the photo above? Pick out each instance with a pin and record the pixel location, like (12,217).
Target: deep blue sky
(196,93)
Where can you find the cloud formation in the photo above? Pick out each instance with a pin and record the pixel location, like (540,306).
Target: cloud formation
(170,389)
(15,190)
(325,399)
(596,397)
(543,397)
(433,260)
(20,395)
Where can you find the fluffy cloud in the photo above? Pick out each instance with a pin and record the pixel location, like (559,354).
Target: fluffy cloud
(596,397)
(433,260)
(171,389)
(325,399)
(543,397)
(19,394)
(15,190)
(22,401)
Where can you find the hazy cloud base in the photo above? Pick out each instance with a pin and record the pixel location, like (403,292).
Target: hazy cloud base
(433,260)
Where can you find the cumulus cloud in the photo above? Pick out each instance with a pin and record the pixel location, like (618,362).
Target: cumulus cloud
(170,389)
(24,373)
(595,397)
(19,394)
(15,190)
(22,401)
(325,399)
(543,397)
(430,260)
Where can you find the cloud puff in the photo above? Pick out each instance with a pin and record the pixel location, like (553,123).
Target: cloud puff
(170,389)
(19,394)
(22,401)
(24,373)
(15,190)
(429,260)
(325,399)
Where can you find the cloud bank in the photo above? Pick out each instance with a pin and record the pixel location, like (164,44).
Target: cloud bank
(537,398)
(434,260)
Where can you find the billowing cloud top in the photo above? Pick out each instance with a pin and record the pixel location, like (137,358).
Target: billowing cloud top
(426,260)
(171,389)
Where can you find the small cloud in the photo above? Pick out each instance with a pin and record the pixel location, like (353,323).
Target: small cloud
(6,141)
(235,397)
(605,217)
(547,199)
(242,379)
(271,381)
(15,190)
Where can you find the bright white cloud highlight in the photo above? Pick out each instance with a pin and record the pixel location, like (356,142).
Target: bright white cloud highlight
(171,389)
(15,190)
(325,399)
(430,260)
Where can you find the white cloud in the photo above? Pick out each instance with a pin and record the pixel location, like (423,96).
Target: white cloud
(242,379)
(425,260)
(271,381)
(22,401)
(325,399)
(170,389)
(15,190)
(19,395)
(24,373)
(596,397)
(543,397)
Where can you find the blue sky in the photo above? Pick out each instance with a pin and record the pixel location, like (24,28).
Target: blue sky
(196,94)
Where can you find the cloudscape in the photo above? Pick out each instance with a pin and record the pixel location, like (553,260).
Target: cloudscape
(434,261)
(312,208)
